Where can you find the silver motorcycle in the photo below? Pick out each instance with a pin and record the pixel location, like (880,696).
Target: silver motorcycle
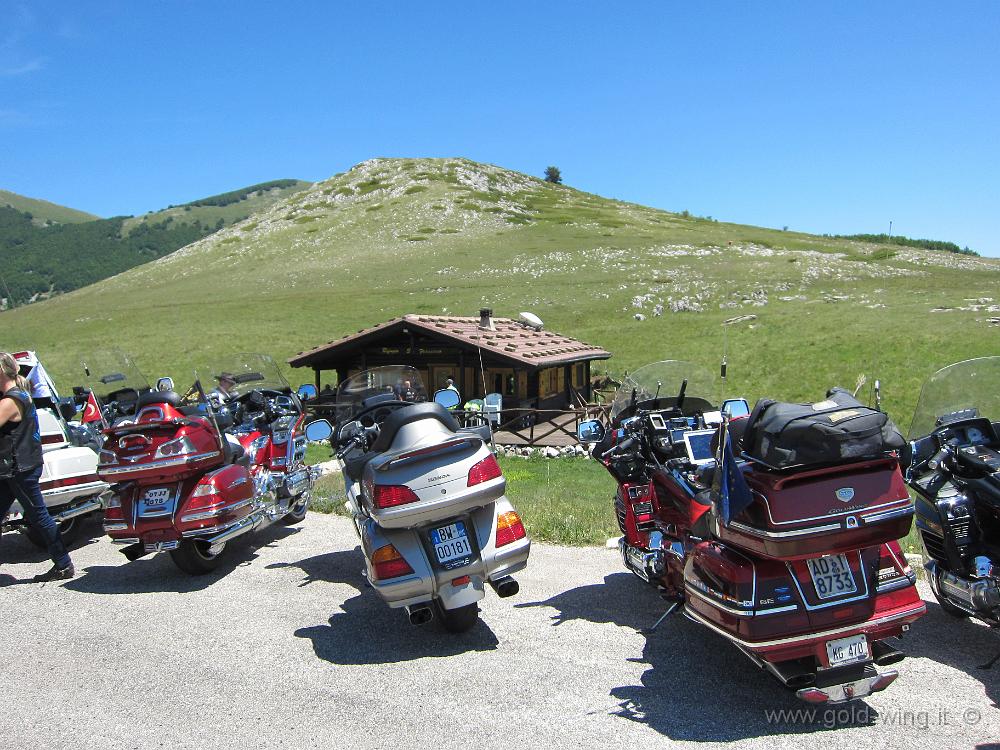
(427,499)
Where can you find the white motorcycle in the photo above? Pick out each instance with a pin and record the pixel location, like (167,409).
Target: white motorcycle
(69,481)
(427,499)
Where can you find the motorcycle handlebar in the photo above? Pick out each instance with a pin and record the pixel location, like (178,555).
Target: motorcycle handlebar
(624,445)
(936,461)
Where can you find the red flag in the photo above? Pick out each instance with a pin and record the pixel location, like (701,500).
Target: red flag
(92,411)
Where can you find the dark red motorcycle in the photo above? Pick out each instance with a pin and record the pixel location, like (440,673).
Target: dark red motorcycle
(791,557)
(191,475)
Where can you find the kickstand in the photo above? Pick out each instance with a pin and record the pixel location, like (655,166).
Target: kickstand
(990,663)
(650,631)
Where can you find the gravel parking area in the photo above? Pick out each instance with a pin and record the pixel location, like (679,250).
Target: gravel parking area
(286,647)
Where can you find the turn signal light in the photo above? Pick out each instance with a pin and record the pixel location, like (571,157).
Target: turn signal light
(509,528)
(388,563)
(390,495)
(484,471)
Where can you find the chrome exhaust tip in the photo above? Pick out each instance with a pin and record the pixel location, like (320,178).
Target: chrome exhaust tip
(505,587)
(883,654)
(420,615)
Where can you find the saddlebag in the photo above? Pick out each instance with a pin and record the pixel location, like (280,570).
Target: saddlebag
(841,428)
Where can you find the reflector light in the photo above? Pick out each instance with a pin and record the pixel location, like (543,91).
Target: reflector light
(388,563)
(484,471)
(113,509)
(813,695)
(884,680)
(461,581)
(391,495)
(509,528)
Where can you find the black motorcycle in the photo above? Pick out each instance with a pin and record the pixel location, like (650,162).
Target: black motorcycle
(955,473)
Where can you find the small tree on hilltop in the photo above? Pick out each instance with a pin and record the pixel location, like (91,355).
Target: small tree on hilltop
(553,175)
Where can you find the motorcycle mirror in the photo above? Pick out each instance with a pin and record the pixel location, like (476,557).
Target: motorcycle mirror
(448,398)
(736,407)
(164,384)
(319,430)
(589,432)
(307,391)
(347,431)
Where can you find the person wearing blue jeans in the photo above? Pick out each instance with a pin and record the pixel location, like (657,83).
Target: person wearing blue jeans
(21,465)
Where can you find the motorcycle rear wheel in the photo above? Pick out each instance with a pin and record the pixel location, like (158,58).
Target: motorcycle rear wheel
(298,512)
(68,530)
(194,558)
(457,620)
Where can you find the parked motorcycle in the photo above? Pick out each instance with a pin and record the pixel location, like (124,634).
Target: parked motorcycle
(954,471)
(191,476)
(427,499)
(69,482)
(795,563)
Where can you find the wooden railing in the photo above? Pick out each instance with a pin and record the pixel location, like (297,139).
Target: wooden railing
(541,426)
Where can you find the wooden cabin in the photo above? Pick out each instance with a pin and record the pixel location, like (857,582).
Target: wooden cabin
(531,367)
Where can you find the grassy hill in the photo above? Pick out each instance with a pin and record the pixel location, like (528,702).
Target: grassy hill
(43,212)
(40,258)
(393,236)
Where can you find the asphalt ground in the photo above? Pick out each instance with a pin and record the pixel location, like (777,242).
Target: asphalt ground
(287,647)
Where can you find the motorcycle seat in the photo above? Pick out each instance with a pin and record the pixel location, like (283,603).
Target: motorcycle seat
(172,398)
(409,415)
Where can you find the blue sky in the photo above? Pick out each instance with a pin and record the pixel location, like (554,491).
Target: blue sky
(833,118)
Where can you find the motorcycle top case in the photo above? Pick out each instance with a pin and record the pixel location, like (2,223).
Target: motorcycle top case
(838,429)
(822,511)
(439,481)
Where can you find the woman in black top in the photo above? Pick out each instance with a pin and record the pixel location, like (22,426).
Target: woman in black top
(21,465)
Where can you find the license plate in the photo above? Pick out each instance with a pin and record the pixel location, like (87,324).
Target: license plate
(831,576)
(450,542)
(847,650)
(156,500)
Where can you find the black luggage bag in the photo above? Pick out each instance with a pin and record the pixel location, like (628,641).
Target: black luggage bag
(839,429)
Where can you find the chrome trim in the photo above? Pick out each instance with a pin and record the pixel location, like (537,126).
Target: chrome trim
(81,488)
(202,515)
(228,531)
(155,547)
(87,507)
(782,534)
(161,464)
(117,527)
(896,583)
(862,627)
(130,540)
(885,515)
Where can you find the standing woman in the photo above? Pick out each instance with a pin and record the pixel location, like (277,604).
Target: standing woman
(21,465)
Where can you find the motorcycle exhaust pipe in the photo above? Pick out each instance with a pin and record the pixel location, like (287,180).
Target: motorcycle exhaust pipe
(883,654)
(88,507)
(792,674)
(420,615)
(134,551)
(505,587)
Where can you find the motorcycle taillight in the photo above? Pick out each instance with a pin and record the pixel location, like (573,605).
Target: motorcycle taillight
(509,528)
(391,495)
(388,563)
(484,471)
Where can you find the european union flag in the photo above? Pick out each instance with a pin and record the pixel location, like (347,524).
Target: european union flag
(733,492)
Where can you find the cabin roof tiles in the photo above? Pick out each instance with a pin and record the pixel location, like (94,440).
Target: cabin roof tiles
(512,341)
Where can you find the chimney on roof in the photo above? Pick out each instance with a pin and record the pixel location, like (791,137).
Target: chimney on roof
(486,319)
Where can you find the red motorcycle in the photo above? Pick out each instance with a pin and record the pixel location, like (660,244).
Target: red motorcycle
(193,473)
(790,556)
